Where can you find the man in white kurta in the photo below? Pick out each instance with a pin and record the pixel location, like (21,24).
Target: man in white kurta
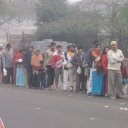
(115,57)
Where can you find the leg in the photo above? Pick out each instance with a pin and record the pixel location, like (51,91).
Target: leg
(50,76)
(11,75)
(65,80)
(106,85)
(78,80)
(8,76)
(62,75)
(57,73)
(30,78)
(34,80)
(118,84)
(71,78)
(83,82)
(111,83)
(39,80)
(44,79)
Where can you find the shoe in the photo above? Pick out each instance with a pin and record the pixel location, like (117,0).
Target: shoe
(112,97)
(89,94)
(123,97)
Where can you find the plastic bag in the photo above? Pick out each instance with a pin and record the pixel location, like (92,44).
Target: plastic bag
(5,72)
(79,71)
(125,89)
(89,86)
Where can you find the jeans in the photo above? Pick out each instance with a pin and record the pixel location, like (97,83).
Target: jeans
(9,77)
(58,74)
(50,75)
(80,83)
(42,80)
(30,77)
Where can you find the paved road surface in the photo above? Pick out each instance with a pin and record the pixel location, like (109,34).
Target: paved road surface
(25,108)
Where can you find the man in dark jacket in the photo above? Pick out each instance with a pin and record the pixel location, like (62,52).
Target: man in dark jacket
(77,63)
(28,66)
(7,59)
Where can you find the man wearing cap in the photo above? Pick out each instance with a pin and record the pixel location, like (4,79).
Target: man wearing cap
(115,57)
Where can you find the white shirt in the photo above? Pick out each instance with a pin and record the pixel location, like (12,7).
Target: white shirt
(114,59)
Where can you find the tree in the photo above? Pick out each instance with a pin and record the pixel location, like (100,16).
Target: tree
(83,22)
(16,9)
(51,10)
(60,21)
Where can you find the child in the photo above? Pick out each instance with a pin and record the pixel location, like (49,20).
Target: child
(42,76)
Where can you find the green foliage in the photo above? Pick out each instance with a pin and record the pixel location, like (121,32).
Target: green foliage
(50,10)
(17,9)
(65,22)
(75,23)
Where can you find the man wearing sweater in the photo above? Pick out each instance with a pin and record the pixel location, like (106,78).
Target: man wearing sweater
(115,57)
(7,59)
(57,64)
(48,63)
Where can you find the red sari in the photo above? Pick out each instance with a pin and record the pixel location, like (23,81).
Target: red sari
(105,68)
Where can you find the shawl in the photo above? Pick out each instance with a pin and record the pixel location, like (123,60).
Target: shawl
(95,53)
(35,61)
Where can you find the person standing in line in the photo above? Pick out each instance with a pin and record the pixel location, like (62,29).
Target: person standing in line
(86,70)
(77,62)
(19,68)
(104,60)
(36,65)
(28,56)
(97,73)
(48,62)
(7,59)
(66,75)
(71,68)
(42,76)
(57,64)
(115,57)
(90,59)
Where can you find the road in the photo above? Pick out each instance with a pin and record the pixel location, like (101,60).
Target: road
(29,108)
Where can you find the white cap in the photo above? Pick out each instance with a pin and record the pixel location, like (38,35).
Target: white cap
(113,43)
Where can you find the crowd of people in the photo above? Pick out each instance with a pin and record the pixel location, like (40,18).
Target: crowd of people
(92,72)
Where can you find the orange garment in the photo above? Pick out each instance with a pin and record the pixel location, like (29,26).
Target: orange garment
(95,53)
(35,61)
(71,54)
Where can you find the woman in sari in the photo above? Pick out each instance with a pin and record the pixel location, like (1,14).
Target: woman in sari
(97,58)
(19,68)
(98,74)
(105,68)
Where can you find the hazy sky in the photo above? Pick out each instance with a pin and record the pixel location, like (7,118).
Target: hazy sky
(74,1)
